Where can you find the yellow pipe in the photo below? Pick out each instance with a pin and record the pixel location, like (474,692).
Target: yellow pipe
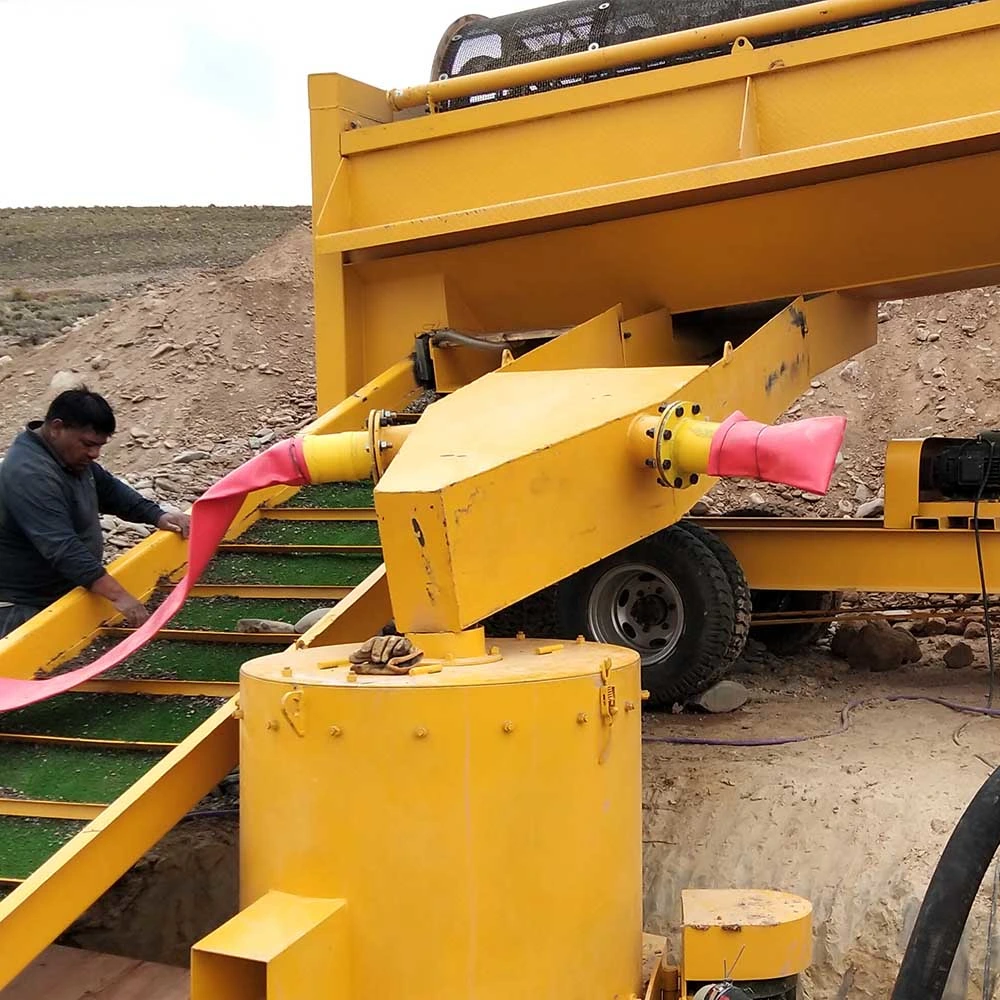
(692,445)
(351,456)
(642,50)
(335,458)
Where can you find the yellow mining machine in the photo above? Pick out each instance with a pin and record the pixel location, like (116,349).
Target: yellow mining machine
(609,243)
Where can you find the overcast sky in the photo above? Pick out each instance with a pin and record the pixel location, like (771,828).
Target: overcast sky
(173,103)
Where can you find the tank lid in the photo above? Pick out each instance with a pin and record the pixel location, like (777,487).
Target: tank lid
(519,661)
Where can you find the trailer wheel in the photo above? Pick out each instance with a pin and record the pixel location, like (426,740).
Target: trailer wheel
(787,639)
(742,599)
(666,597)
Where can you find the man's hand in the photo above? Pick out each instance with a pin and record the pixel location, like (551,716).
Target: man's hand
(180,524)
(133,610)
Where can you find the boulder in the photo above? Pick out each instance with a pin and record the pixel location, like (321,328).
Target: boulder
(960,655)
(880,647)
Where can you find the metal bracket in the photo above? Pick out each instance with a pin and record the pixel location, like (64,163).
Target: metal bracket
(608,694)
(292,710)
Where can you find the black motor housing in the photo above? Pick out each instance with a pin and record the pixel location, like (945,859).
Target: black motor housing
(964,469)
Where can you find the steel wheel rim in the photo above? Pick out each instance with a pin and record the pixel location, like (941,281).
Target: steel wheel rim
(638,606)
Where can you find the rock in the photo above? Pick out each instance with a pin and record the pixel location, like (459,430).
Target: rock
(871,508)
(264,625)
(844,638)
(185,457)
(959,656)
(974,630)
(64,380)
(969,328)
(756,500)
(700,509)
(845,506)
(815,384)
(955,628)
(933,337)
(6,361)
(851,371)
(930,626)
(880,647)
(139,433)
(158,352)
(862,493)
(262,437)
(163,483)
(941,317)
(725,696)
(921,335)
(812,497)
(306,622)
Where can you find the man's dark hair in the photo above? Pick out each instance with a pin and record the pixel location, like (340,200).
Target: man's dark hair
(82,408)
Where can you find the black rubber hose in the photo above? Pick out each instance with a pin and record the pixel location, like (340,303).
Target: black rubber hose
(927,962)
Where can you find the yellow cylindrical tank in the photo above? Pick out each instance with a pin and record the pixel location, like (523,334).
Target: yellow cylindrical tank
(483,822)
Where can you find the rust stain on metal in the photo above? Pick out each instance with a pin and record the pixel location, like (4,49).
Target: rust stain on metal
(798,319)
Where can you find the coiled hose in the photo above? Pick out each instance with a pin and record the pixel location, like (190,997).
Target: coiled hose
(923,973)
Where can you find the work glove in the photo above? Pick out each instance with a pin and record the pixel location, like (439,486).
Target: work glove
(385,654)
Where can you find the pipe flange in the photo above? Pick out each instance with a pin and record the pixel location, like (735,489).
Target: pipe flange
(377,445)
(669,470)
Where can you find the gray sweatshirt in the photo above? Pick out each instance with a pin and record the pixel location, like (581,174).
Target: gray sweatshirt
(50,528)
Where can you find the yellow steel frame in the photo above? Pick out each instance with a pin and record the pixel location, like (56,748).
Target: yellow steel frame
(473,513)
(768,173)
(62,888)
(794,554)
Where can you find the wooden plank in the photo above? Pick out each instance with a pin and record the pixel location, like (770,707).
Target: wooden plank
(75,974)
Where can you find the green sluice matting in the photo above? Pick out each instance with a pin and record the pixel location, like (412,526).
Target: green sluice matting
(142,718)
(176,660)
(310,533)
(288,570)
(71,773)
(220,614)
(334,495)
(26,842)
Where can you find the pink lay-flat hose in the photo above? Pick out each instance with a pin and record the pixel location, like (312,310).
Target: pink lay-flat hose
(280,465)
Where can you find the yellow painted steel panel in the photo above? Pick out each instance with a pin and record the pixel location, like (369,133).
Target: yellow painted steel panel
(487,809)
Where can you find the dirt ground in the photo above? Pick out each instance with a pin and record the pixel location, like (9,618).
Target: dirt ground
(854,822)
(213,355)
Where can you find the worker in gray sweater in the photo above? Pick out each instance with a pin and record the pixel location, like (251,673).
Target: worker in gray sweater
(52,494)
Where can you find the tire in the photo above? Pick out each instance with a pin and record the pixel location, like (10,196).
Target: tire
(682,627)
(742,599)
(787,639)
